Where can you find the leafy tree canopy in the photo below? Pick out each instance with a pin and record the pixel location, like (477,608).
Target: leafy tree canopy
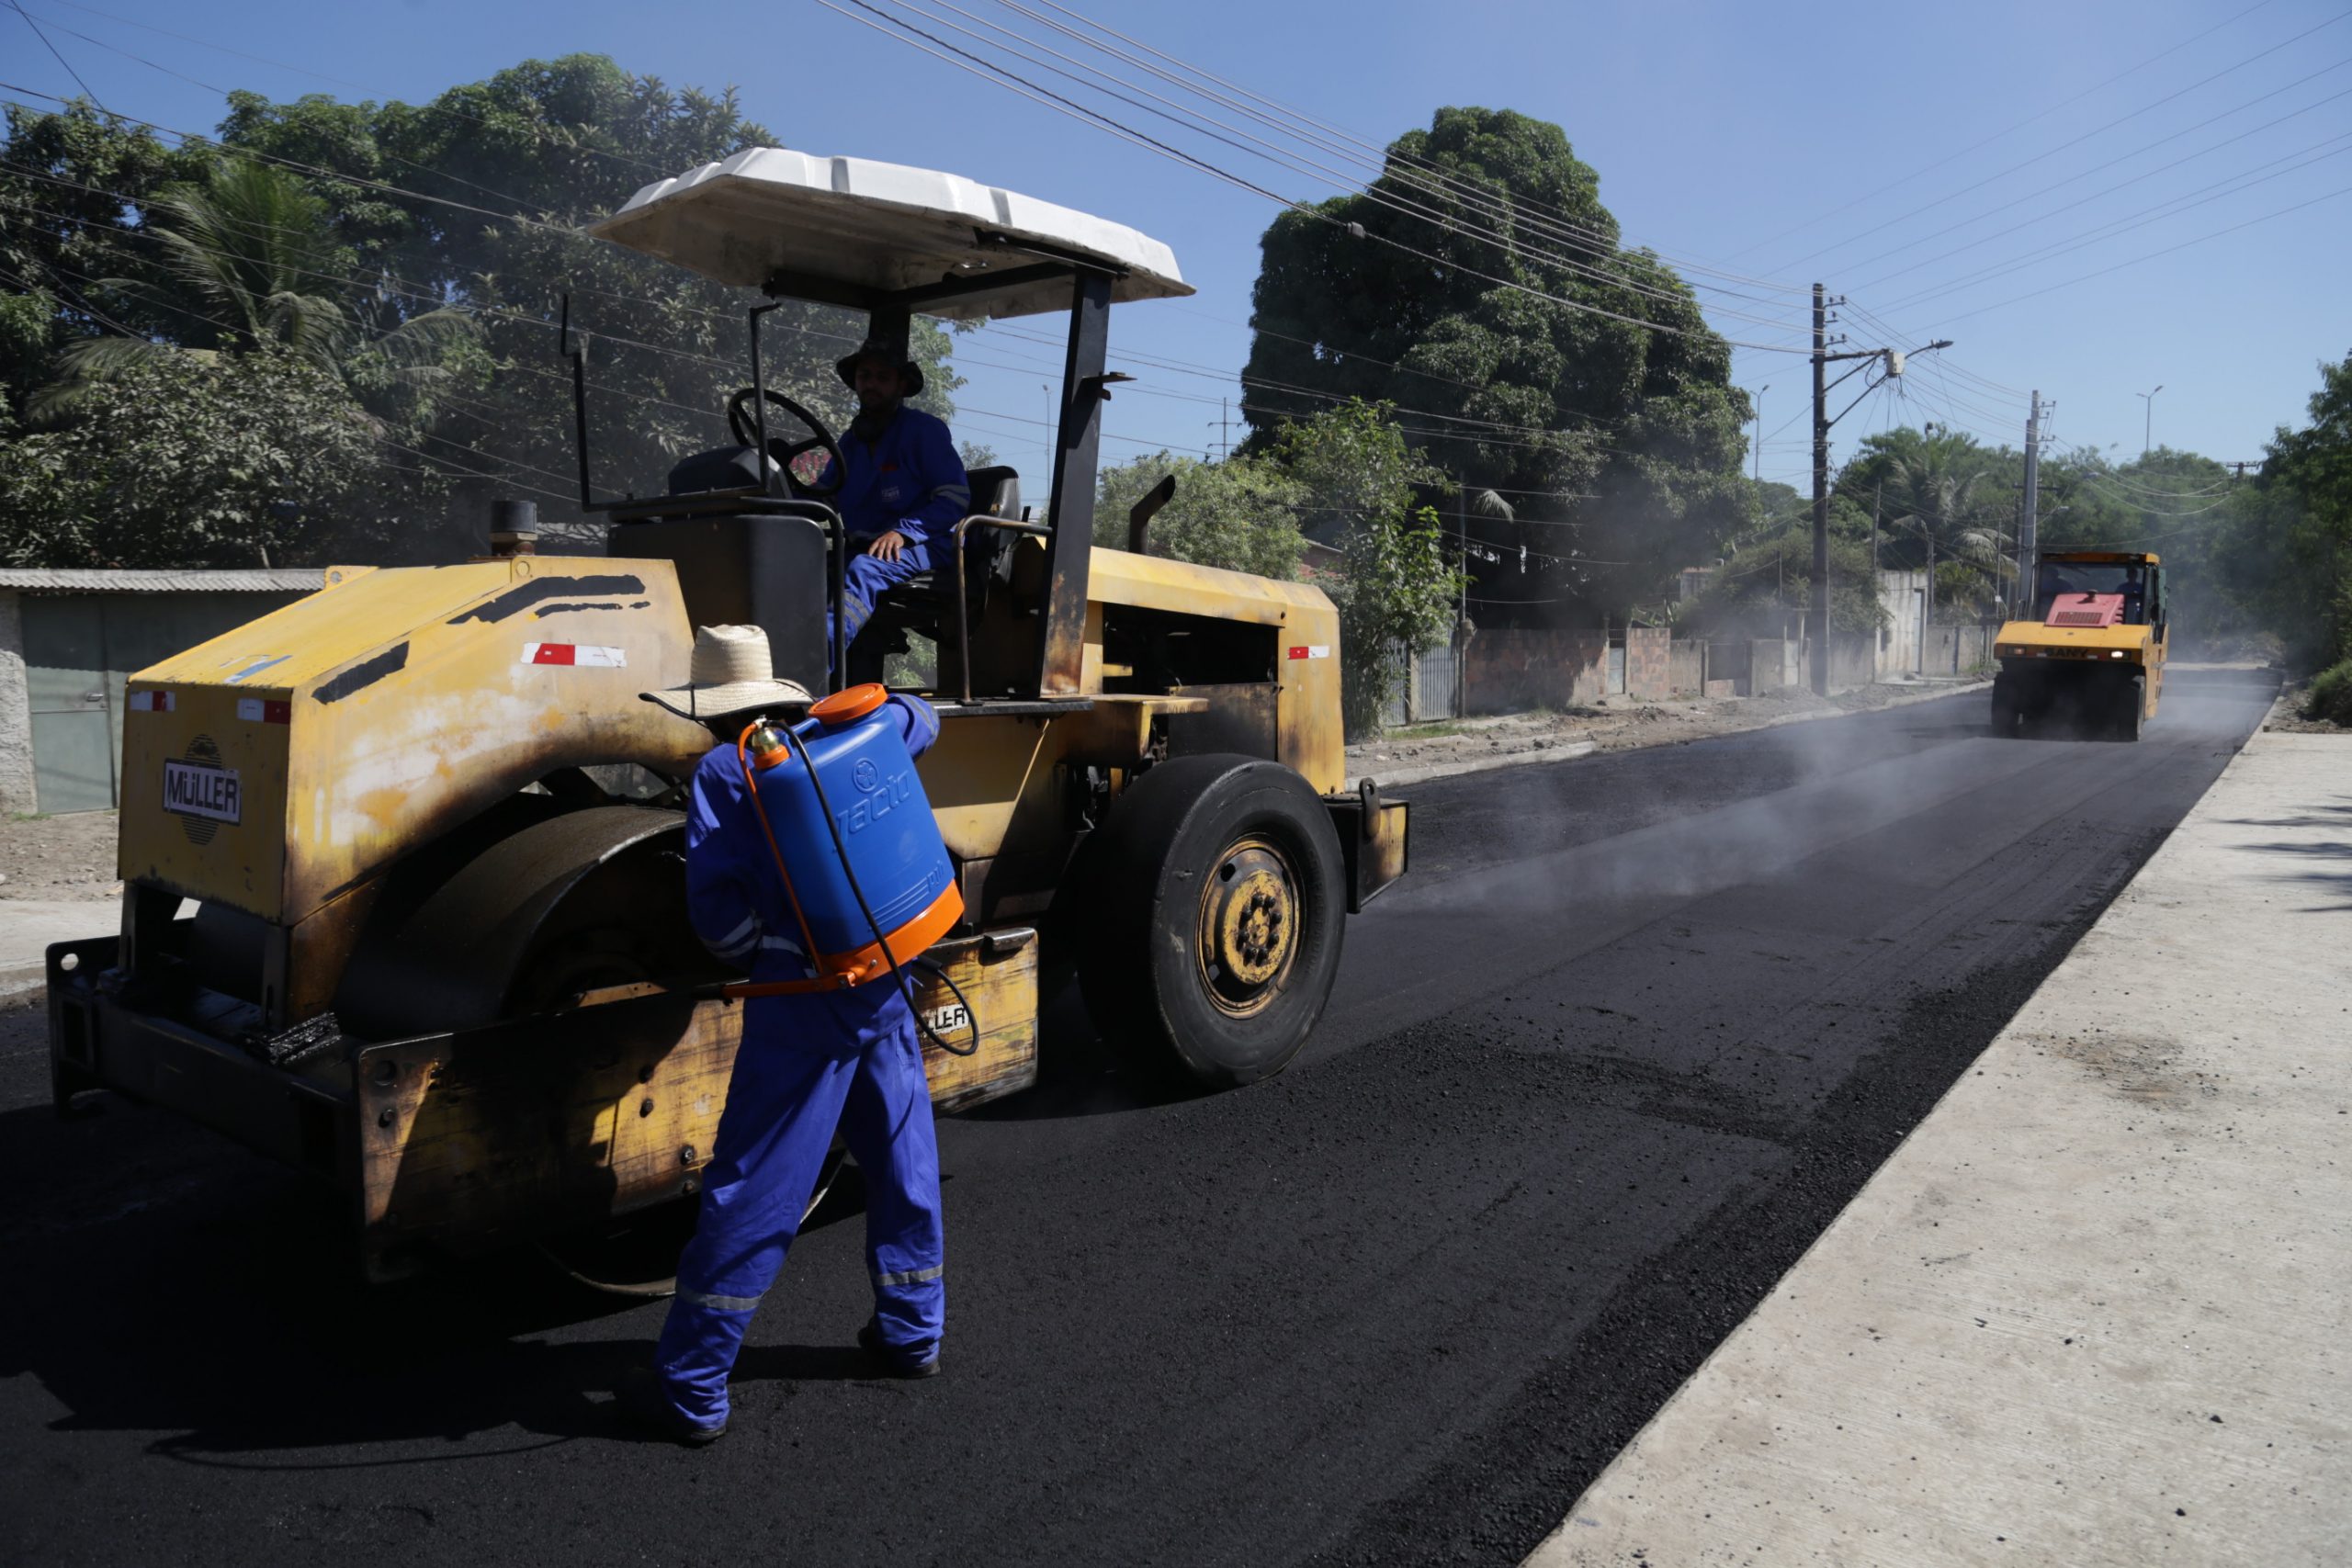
(1632,433)
(1241,514)
(2289,556)
(248,459)
(357,233)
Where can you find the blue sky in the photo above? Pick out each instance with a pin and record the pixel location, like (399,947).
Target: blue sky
(1894,153)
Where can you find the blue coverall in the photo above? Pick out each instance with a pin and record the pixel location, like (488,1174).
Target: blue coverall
(809,1063)
(909,479)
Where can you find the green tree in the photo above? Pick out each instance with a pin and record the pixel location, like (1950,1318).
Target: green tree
(1240,513)
(1397,592)
(1769,578)
(1538,393)
(247,258)
(504,173)
(1943,508)
(2289,556)
(1396,595)
(243,459)
(70,185)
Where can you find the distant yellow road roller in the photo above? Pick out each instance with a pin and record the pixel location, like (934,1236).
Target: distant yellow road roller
(2089,660)
(403,860)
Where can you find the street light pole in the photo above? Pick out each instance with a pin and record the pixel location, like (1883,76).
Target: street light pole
(2148,425)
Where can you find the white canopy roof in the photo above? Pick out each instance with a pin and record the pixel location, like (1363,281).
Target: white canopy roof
(882,227)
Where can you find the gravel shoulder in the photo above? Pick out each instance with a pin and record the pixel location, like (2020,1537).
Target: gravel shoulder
(53,858)
(1614,723)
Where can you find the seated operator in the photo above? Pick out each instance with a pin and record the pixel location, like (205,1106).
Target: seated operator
(905,491)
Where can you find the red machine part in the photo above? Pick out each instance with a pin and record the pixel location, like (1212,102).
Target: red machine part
(2085,610)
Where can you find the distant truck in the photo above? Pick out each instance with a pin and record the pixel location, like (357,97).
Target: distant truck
(2089,660)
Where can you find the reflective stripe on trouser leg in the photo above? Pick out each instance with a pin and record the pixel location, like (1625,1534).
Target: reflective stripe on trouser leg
(886,1122)
(782,1103)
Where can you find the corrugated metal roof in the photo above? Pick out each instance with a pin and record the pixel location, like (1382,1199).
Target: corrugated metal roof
(102,580)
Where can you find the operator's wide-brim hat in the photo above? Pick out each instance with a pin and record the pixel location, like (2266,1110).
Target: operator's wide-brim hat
(889,353)
(731,672)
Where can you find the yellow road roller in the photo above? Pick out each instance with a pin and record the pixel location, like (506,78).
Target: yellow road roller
(403,899)
(2088,660)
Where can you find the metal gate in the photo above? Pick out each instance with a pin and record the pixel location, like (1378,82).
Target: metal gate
(73,704)
(1435,682)
(1431,688)
(80,651)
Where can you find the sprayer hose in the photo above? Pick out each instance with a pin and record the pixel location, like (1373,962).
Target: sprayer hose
(840,851)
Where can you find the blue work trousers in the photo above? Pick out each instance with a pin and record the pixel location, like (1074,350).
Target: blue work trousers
(809,1065)
(868,578)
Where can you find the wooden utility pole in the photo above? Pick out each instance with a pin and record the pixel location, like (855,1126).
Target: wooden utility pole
(2028,515)
(1820,618)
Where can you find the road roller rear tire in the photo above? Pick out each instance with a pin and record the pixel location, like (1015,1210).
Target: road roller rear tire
(2131,707)
(2005,710)
(1215,906)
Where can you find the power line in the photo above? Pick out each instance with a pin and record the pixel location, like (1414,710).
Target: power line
(2115,228)
(894,28)
(1257,146)
(385,281)
(52,49)
(1371,153)
(1988,142)
(2124,185)
(2151,255)
(2077,140)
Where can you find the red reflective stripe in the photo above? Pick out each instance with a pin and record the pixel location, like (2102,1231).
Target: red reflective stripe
(552,653)
(1299,652)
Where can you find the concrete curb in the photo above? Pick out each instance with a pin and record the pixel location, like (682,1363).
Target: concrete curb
(2090,1309)
(1404,778)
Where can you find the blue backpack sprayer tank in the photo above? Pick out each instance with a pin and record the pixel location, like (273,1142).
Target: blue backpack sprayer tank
(869,882)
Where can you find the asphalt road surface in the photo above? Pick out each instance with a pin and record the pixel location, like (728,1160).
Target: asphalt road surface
(1633,1031)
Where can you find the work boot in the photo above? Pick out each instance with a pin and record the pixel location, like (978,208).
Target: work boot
(897,1363)
(647,1407)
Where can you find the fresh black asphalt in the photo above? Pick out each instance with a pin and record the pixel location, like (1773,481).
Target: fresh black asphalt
(1636,1029)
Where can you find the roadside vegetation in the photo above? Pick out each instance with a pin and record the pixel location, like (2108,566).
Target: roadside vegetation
(331,333)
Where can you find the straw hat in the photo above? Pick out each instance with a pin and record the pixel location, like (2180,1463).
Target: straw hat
(731,672)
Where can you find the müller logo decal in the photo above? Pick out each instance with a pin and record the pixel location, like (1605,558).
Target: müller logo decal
(201,792)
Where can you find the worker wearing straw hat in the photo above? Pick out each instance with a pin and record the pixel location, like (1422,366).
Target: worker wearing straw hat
(811,1064)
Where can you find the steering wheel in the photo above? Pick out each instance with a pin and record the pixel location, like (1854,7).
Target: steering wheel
(746,432)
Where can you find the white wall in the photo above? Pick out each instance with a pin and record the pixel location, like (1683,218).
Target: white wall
(15,710)
(1902,593)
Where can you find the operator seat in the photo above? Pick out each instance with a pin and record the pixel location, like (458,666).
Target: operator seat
(925,602)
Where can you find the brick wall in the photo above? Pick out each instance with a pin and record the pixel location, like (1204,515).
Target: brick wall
(1510,670)
(1649,670)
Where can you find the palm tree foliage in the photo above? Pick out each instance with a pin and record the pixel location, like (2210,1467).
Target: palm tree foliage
(247,258)
(1941,501)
